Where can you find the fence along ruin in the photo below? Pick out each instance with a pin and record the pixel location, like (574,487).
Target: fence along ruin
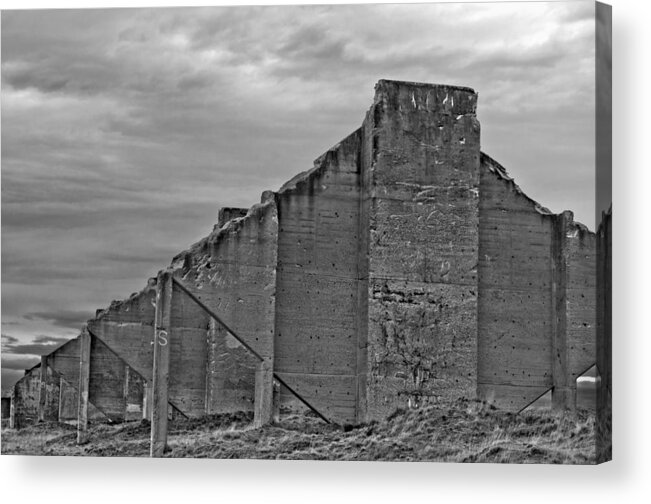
(404,268)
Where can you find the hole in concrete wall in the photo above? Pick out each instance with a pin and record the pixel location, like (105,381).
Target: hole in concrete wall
(586,389)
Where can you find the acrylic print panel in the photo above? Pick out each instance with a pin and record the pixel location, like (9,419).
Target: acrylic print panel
(402,299)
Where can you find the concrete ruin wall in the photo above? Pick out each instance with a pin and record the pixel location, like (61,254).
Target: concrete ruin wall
(31,394)
(49,393)
(24,399)
(405,268)
(317,314)
(68,402)
(64,361)
(188,354)
(581,294)
(35,397)
(232,271)
(61,404)
(127,328)
(536,295)
(423,214)
(116,392)
(515,309)
(114,389)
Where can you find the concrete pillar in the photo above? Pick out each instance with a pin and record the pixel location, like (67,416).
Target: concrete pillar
(61,391)
(564,391)
(147,398)
(12,411)
(263,406)
(420,157)
(276,402)
(84,382)
(162,335)
(125,390)
(213,388)
(42,390)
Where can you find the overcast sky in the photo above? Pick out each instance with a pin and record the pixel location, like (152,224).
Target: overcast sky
(124,131)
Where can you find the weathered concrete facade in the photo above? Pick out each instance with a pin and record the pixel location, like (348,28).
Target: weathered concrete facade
(233,271)
(423,178)
(405,267)
(317,305)
(25,399)
(49,391)
(537,296)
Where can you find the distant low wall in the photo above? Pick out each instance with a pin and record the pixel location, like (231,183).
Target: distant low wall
(116,391)
(127,328)
(25,399)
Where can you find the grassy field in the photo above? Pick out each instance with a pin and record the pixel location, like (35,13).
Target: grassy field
(464,431)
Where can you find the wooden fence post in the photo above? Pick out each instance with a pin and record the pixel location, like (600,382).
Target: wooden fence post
(162,334)
(84,379)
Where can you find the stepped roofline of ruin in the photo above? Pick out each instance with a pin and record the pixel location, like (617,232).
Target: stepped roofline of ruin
(179,262)
(433,98)
(320,166)
(35,366)
(306,177)
(61,346)
(496,168)
(116,303)
(499,170)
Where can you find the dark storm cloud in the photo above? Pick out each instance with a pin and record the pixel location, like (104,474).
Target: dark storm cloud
(17,357)
(19,363)
(49,340)
(41,345)
(67,319)
(36,77)
(9,378)
(124,131)
(8,340)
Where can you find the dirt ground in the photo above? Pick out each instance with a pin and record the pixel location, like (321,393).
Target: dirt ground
(463,431)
